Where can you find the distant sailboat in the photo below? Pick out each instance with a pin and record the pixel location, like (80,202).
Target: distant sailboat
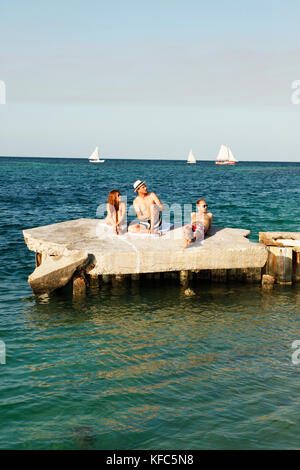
(191,158)
(94,158)
(225,156)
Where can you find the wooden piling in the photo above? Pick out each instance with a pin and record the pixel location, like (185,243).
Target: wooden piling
(219,275)
(296,265)
(234,274)
(149,275)
(252,275)
(119,278)
(94,281)
(203,275)
(79,285)
(280,264)
(167,275)
(184,278)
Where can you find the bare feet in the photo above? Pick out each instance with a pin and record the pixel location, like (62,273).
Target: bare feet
(188,242)
(156,232)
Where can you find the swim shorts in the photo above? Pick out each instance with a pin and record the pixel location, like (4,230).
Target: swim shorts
(147,223)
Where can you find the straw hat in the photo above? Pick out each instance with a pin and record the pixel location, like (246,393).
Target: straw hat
(137,184)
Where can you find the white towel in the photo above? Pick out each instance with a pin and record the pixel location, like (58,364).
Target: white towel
(165,227)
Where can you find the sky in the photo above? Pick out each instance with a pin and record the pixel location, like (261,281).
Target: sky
(150,79)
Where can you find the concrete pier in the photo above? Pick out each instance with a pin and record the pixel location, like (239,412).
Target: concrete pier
(62,248)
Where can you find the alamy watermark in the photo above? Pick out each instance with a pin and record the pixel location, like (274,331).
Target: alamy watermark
(295,96)
(2,352)
(2,92)
(296,353)
(174,215)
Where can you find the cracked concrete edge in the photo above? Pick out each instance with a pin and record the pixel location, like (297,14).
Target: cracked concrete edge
(57,271)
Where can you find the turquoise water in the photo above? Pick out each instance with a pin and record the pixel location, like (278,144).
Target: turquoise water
(141,366)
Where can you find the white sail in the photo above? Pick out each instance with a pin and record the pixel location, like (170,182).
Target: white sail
(191,158)
(231,157)
(95,155)
(223,154)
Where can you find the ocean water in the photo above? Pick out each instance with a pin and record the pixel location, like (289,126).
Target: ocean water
(141,366)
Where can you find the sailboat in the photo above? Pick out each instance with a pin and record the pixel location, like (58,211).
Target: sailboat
(94,158)
(225,156)
(191,158)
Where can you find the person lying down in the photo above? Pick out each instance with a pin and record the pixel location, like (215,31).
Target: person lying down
(201,222)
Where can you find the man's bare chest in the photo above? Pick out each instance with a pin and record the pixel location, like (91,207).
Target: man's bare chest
(145,204)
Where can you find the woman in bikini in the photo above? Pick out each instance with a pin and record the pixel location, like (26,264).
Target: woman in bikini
(200,224)
(116,212)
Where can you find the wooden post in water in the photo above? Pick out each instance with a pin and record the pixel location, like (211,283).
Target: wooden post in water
(233,274)
(184,278)
(219,275)
(203,274)
(283,255)
(254,275)
(94,281)
(79,285)
(280,264)
(167,275)
(285,266)
(296,265)
(119,278)
(149,275)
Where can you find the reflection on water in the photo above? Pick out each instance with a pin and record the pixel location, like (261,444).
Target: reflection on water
(143,366)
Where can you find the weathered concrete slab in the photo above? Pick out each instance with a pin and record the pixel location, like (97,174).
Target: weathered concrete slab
(280,238)
(55,272)
(225,248)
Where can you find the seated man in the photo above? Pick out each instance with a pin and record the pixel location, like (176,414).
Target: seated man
(200,223)
(148,210)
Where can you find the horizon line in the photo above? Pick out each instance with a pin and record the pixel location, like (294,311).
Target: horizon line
(147,159)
